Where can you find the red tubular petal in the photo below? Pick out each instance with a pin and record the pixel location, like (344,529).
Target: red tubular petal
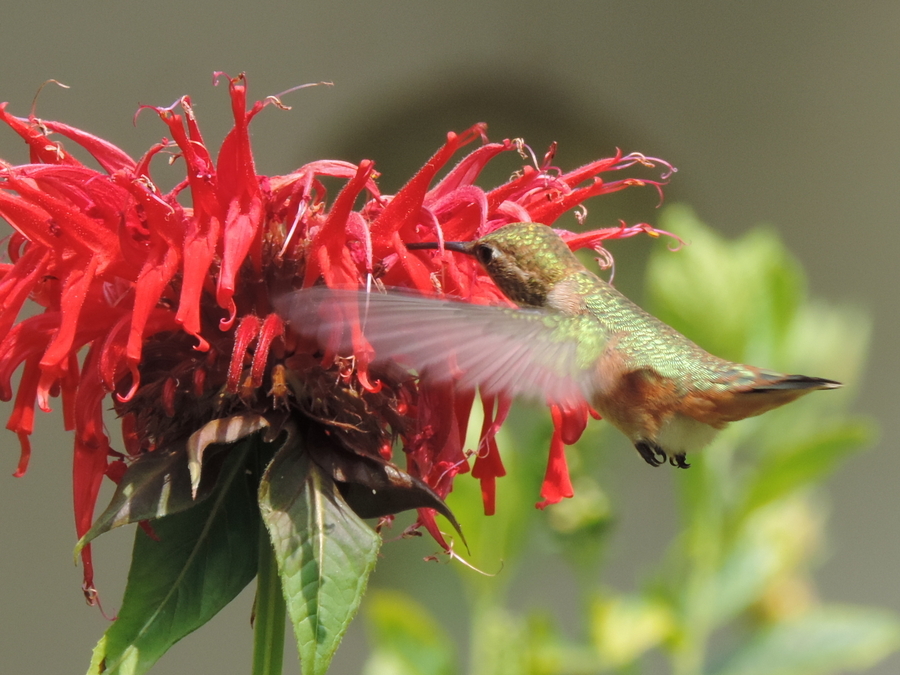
(272,328)
(21,421)
(488,465)
(70,391)
(426,520)
(74,291)
(202,236)
(90,461)
(26,341)
(15,245)
(529,178)
(583,173)
(570,423)
(240,198)
(24,454)
(401,214)
(130,436)
(242,232)
(594,238)
(463,213)
(30,221)
(462,407)
(246,332)
(148,289)
(19,283)
(109,156)
(160,262)
(116,470)
(43,150)
(326,253)
(557,485)
(199,381)
(411,272)
(436,453)
(66,226)
(111,358)
(468,169)
(199,250)
(548,212)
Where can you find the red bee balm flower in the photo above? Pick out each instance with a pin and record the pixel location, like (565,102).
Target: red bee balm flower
(173,304)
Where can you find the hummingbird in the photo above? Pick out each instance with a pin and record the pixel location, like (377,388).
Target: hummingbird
(572,338)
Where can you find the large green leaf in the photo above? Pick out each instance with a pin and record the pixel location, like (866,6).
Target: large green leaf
(324,552)
(829,640)
(406,639)
(203,558)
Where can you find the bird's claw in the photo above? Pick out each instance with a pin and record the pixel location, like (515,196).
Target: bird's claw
(655,455)
(651,452)
(678,460)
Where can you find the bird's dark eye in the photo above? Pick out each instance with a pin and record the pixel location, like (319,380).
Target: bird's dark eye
(484,254)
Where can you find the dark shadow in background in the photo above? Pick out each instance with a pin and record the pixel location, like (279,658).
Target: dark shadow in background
(415,121)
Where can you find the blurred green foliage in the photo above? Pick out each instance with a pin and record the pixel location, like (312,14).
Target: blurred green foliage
(734,593)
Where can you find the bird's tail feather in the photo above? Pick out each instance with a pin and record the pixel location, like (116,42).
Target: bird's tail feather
(793,382)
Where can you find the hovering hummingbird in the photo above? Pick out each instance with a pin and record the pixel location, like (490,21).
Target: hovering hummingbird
(572,338)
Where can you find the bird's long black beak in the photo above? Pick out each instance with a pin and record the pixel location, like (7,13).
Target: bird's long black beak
(456,246)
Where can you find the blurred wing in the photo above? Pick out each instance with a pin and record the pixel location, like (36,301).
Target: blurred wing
(523,352)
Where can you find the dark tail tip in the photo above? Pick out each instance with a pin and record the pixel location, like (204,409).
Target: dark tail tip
(791,382)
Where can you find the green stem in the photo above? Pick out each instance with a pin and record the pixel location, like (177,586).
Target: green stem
(270,611)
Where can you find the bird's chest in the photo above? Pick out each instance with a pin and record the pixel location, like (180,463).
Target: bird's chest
(637,400)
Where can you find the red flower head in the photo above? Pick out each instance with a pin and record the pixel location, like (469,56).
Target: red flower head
(173,302)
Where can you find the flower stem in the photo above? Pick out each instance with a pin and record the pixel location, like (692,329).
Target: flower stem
(270,610)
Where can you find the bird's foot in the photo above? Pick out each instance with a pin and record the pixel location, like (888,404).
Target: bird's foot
(678,460)
(655,455)
(651,452)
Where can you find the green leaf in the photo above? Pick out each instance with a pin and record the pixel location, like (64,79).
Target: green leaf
(203,558)
(501,644)
(324,552)
(773,544)
(828,640)
(625,627)
(816,458)
(156,484)
(405,638)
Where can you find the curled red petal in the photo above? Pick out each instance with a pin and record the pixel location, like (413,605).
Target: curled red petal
(21,421)
(401,214)
(111,157)
(557,484)
(329,256)
(272,327)
(246,332)
(43,150)
(91,452)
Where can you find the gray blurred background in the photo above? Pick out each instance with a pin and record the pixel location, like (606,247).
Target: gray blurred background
(785,113)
